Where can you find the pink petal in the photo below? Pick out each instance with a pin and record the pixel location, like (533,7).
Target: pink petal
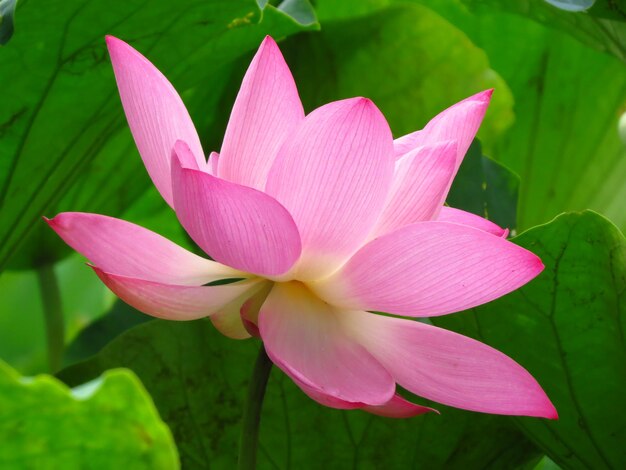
(304,337)
(236,225)
(119,247)
(457,216)
(156,115)
(421,182)
(214,159)
(450,368)
(266,111)
(333,175)
(238,320)
(459,123)
(183,152)
(227,320)
(172,302)
(428,269)
(324,399)
(397,407)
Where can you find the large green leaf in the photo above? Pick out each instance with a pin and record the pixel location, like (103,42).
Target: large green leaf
(110,422)
(568,328)
(198,380)
(65,145)
(602,27)
(564,143)
(100,332)
(411,62)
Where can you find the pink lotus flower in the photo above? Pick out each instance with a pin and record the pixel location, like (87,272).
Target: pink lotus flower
(325,218)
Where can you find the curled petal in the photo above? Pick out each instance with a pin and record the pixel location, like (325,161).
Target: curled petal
(266,111)
(173,302)
(156,115)
(429,269)
(397,407)
(457,216)
(333,175)
(459,123)
(450,368)
(303,336)
(421,182)
(123,248)
(236,225)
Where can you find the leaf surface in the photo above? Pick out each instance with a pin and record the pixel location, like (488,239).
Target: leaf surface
(567,327)
(108,422)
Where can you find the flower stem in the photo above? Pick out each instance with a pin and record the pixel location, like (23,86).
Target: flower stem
(53,315)
(248,441)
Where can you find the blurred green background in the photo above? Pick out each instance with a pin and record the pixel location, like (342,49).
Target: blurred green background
(550,144)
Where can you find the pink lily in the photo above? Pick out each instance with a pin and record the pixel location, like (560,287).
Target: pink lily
(325,218)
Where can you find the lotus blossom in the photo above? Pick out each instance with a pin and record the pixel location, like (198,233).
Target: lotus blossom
(322,219)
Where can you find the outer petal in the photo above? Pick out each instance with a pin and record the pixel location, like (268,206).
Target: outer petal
(266,111)
(119,247)
(303,336)
(429,269)
(236,225)
(173,302)
(397,407)
(450,368)
(457,216)
(459,122)
(156,115)
(333,176)
(421,182)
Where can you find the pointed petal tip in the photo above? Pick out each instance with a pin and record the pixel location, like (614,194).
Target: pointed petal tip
(114,43)
(356,102)
(364,102)
(268,49)
(268,41)
(553,413)
(545,409)
(58,221)
(483,97)
(361,104)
